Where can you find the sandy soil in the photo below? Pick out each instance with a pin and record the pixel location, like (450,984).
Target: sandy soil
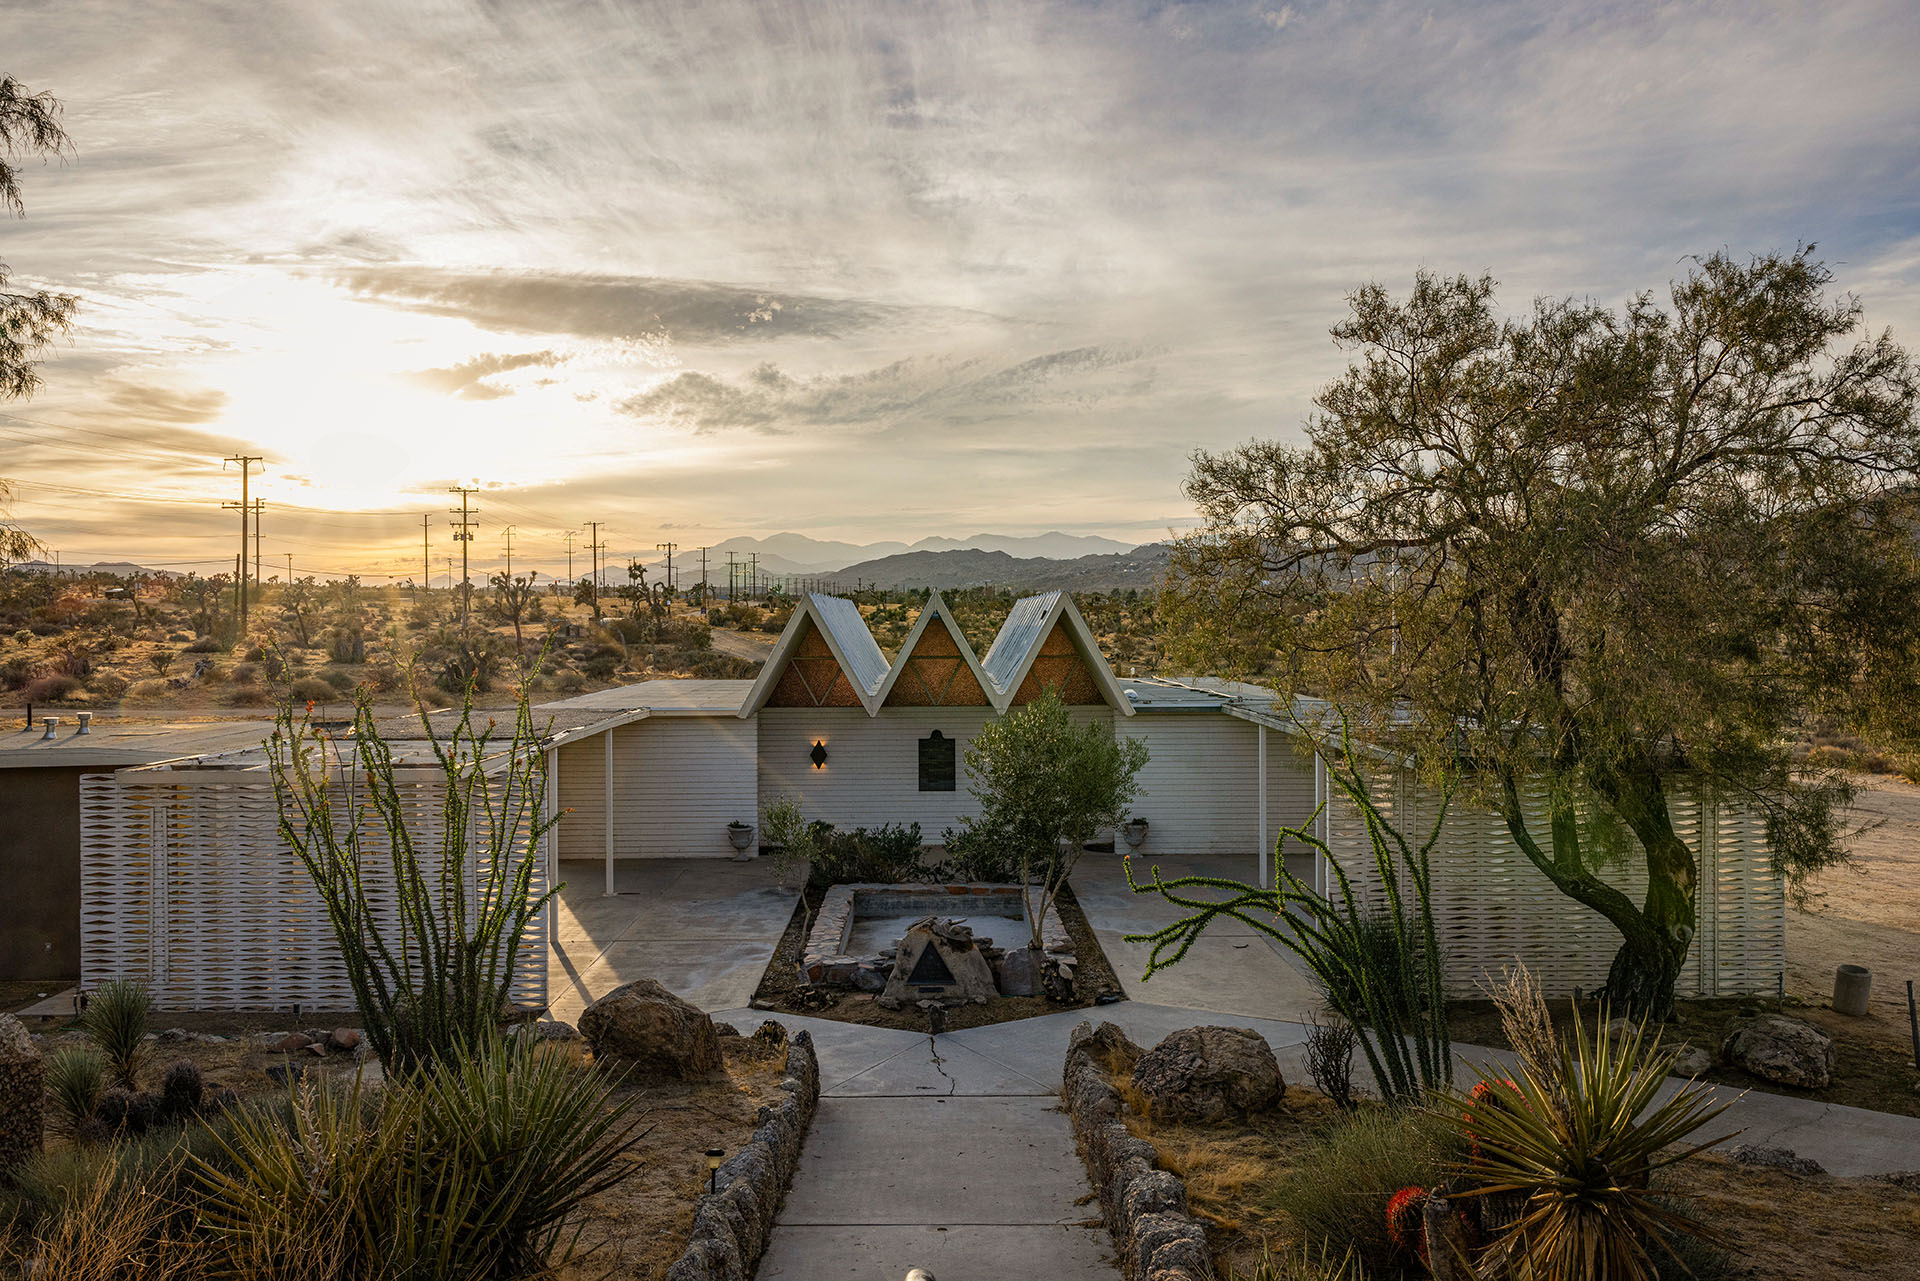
(1866,913)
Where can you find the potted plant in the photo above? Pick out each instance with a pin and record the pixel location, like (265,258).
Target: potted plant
(740,836)
(1134,832)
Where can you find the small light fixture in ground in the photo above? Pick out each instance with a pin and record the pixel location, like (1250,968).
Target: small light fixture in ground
(819,754)
(714,1157)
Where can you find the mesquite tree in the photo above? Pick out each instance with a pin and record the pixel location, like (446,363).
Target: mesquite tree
(428,907)
(1598,554)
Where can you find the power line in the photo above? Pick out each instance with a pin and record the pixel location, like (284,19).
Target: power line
(464,536)
(246,462)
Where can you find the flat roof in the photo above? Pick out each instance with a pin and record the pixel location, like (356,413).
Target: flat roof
(699,696)
(112,742)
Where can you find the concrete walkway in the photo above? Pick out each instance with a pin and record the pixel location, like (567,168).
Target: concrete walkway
(950,1153)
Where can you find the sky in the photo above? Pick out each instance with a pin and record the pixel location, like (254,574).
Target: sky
(858,270)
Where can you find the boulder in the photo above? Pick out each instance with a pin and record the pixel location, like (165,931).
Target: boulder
(1209,1073)
(1019,972)
(1691,1061)
(645,1023)
(1785,1159)
(22,1107)
(344,1039)
(1779,1049)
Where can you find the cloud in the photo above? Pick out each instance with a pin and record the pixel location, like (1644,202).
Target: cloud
(468,379)
(613,307)
(903,393)
(158,406)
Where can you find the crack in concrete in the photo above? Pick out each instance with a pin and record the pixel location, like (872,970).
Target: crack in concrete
(933,1047)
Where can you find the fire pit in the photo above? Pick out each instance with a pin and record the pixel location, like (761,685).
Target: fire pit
(895,940)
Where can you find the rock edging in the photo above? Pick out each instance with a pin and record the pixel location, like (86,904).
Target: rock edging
(731,1225)
(1144,1207)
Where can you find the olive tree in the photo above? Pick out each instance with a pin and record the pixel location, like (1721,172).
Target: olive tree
(1601,555)
(1045,787)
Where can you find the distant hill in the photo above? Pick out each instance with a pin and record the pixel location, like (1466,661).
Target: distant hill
(783,554)
(1142,567)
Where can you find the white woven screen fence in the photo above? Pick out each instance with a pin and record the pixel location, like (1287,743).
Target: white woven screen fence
(1492,907)
(187,886)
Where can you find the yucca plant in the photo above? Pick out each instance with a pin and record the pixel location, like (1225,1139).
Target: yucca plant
(1575,1137)
(470,1169)
(116,1018)
(75,1078)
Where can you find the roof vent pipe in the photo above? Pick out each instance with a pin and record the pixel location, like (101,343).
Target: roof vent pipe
(52,723)
(86,724)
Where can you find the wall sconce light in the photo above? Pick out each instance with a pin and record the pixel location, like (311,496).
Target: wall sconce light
(819,754)
(714,1157)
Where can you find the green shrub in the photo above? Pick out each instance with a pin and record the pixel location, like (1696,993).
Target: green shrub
(162,1165)
(1338,1191)
(981,854)
(75,1078)
(470,1169)
(116,1019)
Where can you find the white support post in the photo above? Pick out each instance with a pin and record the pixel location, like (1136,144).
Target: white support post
(606,815)
(552,842)
(1265,848)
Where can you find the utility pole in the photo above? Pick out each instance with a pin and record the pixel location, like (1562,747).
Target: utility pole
(246,462)
(703,577)
(463,534)
(733,575)
(570,535)
(595,547)
(753,575)
(508,534)
(289,569)
(668,549)
(258,503)
(426,558)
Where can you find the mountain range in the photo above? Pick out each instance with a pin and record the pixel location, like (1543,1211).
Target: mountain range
(1142,567)
(786,554)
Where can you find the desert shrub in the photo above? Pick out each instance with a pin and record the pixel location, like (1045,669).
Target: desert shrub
(1337,1193)
(203,645)
(1329,1051)
(147,691)
(570,681)
(109,685)
(249,696)
(103,1225)
(54,688)
(1300,1263)
(311,689)
(17,672)
(601,667)
(432,979)
(116,1018)
(75,1078)
(470,1169)
(385,676)
(1573,1141)
(341,681)
(245,673)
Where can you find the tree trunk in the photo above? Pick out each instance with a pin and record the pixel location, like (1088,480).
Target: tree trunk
(1648,963)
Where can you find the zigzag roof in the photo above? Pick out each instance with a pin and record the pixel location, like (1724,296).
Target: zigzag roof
(1009,660)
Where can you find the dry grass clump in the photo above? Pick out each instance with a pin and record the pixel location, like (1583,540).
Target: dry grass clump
(109,1229)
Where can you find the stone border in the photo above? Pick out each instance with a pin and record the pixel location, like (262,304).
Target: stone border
(1144,1207)
(824,957)
(731,1227)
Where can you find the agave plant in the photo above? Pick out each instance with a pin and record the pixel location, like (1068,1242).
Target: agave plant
(75,1078)
(1572,1141)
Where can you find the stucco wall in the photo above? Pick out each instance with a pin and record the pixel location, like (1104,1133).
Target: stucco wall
(40,868)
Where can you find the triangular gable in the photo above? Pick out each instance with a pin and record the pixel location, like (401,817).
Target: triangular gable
(936,666)
(819,661)
(1045,641)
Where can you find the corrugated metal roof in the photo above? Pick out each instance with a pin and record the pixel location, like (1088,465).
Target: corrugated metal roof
(866,666)
(1024,630)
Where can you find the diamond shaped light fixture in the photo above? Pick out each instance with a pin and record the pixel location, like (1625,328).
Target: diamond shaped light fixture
(819,754)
